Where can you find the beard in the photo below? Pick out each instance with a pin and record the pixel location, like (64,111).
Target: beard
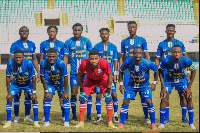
(93,67)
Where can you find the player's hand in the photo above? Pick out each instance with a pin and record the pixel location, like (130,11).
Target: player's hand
(122,89)
(108,98)
(9,98)
(163,92)
(82,97)
(34,97)
(188,77)
(115,78)
(153,87)
(47,95)
(65,96)
(188,92)
(38,77)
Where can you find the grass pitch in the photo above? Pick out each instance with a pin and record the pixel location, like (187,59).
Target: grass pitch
(136,117)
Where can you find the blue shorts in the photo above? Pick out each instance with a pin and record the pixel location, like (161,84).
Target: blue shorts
(181,86)
(131,93)
(74,79)
(15,89)
(113,88)
(52,89)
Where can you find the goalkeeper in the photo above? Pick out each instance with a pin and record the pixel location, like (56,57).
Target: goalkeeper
(98,73)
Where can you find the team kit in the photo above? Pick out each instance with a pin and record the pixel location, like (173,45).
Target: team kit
(96,70)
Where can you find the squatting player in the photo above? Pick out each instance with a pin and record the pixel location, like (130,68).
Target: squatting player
(108,51)
(127,48)
(23,79)
(98,73)
(57,80)
(138,82)
(164,49)
(77,48)
(175,76)
(28,48)
(58,45)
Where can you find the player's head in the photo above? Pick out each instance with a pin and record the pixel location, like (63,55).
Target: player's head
(138,53)
(18,56)
(52,31)
(170,30)
(177,52)
(104,34)
(132,28)
(51,55)
(23,32)
(94,58)
(77,30)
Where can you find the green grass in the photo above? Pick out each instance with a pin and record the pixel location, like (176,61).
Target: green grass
(136,116)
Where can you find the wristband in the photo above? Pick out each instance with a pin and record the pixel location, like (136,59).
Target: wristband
(121,83)
(34,91)
(82,90)
(108,90)
(115,72)
(154,82)
(46,91)
(187,71)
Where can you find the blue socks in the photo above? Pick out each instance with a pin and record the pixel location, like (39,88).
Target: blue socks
(9,111)
(162,115)
(89,105)
(115,104)
(191,115)
(98,106)
(62,109)
(184,110)
(35,110)
(73,105)
(16,106)
(27,103)
(145,108)
(152,113)
(123,113)
(167,113)
(66,108)
(47,108)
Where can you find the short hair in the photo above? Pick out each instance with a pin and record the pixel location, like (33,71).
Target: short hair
(138,48)
(77,24)
(176,46)
(170,25)
(23,27)
(102,29)
(52,26)
(18,51)
(51,50)
(132,22)
(94,52)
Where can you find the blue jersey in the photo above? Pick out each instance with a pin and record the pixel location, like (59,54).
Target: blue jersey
(165,48)
(128,45)
(139,73)
(107,52)
(78,51)
(28,48)
(57,45)
(22,74)
(56,72)
(175,71)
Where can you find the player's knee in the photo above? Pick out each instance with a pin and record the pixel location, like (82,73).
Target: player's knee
(73,95)
(126,102)
(114,95)
(148,101)
(99,96)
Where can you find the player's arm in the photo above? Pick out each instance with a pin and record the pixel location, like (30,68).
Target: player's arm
(161,75)
(35,64)
(121,74)
(80,80)
(66,56)
(144,47)
(115,57)
(43,81)
(66,53)
(154,67)
(11,56)
(109,80)
(146,55)
(41,57)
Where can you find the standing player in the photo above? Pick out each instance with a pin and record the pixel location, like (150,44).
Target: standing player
(28,48)
(175,65)
(108,51)
(98,73)
(138,82)
(57,80)
(77,48)
(164,49)
(52,42)
(23,79)
(127,48)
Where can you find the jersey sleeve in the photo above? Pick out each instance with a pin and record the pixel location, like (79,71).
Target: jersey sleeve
(159,51)
(61,48)
(34,48)
(42,67)
(163,64)
(82,67)
(12,49)
(89,45)
(41,48)
(144,45)
(183,48)
(123,46)
(63,68)
(31,68)
(115,54)
(8,69)
(189,64)
(153,66)
(124,66)
(95,47)
(66,47)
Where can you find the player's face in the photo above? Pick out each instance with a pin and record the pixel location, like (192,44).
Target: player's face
(176,52)
(77,31)
(104,35)
(24,32)
(18,58)
(51,57)
(52,33)
(94,60)
(170,32)
(132,28)
(137,54)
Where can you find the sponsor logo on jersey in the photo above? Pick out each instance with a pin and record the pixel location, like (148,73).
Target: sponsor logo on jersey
(99,70)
